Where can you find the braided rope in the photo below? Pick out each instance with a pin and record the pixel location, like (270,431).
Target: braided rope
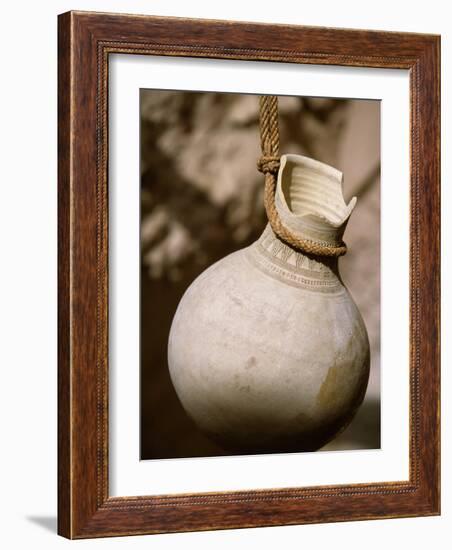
(269,164)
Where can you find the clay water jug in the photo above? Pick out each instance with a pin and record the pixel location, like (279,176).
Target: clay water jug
(267,350)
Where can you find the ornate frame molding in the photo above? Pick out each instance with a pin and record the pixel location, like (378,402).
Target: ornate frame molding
(85,42)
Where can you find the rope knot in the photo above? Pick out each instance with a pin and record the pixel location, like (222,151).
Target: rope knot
(268,164)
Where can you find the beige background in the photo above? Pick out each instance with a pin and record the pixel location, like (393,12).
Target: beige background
(201,198)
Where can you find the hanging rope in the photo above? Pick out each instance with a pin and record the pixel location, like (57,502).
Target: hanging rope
(268,164)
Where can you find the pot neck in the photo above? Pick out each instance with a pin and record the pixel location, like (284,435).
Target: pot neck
(309,200)
(280,262)
(291,258)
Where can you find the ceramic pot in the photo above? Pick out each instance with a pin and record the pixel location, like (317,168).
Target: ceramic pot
(267,350)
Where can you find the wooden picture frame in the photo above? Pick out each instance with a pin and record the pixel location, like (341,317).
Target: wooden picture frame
(85,42)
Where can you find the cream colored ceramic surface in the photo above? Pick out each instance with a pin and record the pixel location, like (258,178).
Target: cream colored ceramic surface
(309,199)
(267,350)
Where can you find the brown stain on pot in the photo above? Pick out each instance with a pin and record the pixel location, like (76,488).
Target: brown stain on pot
(329,392)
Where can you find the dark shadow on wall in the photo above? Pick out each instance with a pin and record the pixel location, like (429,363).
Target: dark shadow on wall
(364,430)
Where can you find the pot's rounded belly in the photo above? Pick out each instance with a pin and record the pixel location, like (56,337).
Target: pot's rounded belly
(265,366)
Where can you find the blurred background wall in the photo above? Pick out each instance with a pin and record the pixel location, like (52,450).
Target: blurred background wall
(201,198)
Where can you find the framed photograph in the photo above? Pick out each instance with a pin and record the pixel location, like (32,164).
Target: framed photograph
(248,275)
